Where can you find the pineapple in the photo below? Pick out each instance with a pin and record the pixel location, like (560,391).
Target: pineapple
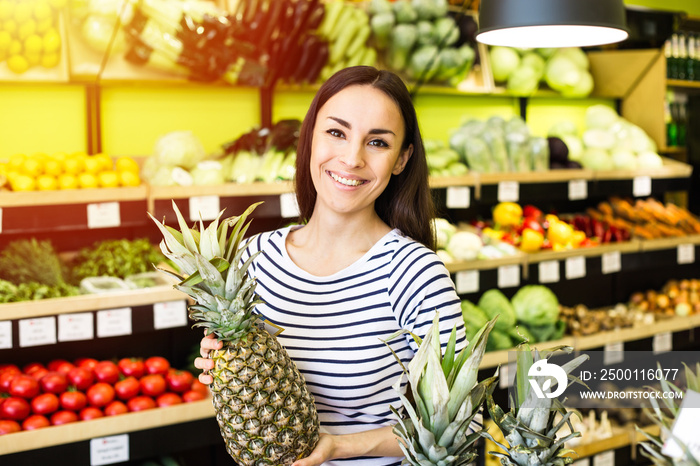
(447,398)
(265,413)
(529,427)
(665,420)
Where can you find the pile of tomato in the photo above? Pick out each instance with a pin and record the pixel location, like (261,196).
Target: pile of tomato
(61,391)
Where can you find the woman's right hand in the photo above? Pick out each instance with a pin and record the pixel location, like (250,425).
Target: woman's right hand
(208,343)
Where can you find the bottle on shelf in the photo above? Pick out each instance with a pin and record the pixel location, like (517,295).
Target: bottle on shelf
(668,53)
(690,63)
(671,126)
(682,60)
(673,61)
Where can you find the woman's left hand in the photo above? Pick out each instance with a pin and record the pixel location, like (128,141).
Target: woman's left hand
(320,454)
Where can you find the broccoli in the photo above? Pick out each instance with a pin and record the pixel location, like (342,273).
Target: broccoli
(426,33)
(403,38)
(405,13)
(424,63)
(382,25)
(446,31)
(430,9)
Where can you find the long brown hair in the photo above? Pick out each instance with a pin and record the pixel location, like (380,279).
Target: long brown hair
(406,203)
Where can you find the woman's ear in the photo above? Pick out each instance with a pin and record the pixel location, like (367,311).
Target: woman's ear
(402,160)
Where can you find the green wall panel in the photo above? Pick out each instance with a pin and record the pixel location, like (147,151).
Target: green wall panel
(692,7)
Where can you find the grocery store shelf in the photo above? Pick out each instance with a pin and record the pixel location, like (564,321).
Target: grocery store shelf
(102,427)
(91,302)
(72,196)
(673,150)
(485,264)
(670,169)
(228,189)
(683,84)
(594,251)
(668,243)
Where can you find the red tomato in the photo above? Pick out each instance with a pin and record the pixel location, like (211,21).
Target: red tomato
(127,388)
(100,394)
(191,396)
(5,380)
(8,426)
(141,403)
(179,381)
(157,365)
(63,417)
(54,382)
(90,413)
(14,408)
(39,373)
(168,399)
(46,403)
(73,400)
(9,368)
(35,421)
(106,372)
(31,367)
(60,365)
(81,378)
(198,386)
(153,385)
(24,386)
(132,367)
(87,363)
(115,408)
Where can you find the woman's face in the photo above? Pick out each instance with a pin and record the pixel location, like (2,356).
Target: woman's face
(356,147)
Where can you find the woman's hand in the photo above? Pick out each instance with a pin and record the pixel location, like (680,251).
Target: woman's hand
(321,454)
(375,442)
(208,343)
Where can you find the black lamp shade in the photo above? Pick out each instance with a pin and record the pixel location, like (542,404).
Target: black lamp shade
(551,23)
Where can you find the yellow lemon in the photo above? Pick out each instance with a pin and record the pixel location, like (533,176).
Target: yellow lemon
(10,26)
(15,47)
(60,156)
(7,9)
(46,183)
(12,174)
(5,39)
(67,181)
(16,160)
(32,167)
(51,41)
(105,161)
(50,60)
(129,179)
(44,25)
(72,165)
(53,167)
(127,164)
(42,10)
(17,64)
(22,183)
(33,59)
(23,12)
(87,180)
(108,179)
(26,29)
(33,44)
(92,165)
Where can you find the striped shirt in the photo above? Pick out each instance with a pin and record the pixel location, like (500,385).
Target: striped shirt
(334,325)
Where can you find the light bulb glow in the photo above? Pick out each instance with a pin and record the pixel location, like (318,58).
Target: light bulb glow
(552,36)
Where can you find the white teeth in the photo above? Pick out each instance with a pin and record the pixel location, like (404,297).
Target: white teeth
(345,181)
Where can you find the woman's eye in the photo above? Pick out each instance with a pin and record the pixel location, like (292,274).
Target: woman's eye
(335,133)
(378,143)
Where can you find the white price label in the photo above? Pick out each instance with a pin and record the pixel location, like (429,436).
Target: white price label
(613,353)
(75,327)
(467,281)
(611,262)
(578,189)
(506,376)
(169,314)
(114,322)
(582,462)
(37,332)
(458,197)
(662,342)
(109,450)
(607,458)
(549,271)
(686,253)
(288,205)
(508,191)
(103,215)
(575,267)
(641,186)
(508,276)
(204,207)
(6,334)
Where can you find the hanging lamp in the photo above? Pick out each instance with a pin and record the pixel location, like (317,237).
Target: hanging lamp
(551,23)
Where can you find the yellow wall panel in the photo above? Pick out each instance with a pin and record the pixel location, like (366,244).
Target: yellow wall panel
(291,104)
(42,118)
(133,118)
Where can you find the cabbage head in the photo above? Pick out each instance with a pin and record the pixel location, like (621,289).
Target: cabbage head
(648,159)
(596,159)
(179,148)
(536,305)
(600,116)
(504,60)
(624,159)
(494,303)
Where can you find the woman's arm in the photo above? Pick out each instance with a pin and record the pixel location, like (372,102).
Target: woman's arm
(375,442)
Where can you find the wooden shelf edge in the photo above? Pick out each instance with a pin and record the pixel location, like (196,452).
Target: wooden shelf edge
(228,189)
(681,83)
(623,247)
(89,302)
(72,196)
(105,426)
(670,169)
(667,243)
(485,264)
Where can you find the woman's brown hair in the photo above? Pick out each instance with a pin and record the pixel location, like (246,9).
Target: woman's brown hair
(406,203)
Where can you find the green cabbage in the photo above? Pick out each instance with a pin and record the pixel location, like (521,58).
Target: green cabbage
(521,334)
(600,116)
(624,159)
(179,148)
(504,60)
(523,81)
(562,73)
(498,341)
(596,159)
(536,305)
(648,159)
(563,128)
(473,316)
(494,303)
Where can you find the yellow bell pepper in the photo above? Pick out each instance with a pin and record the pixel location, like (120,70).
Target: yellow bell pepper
(507,214)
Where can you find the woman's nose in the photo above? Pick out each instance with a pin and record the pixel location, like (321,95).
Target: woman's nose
(353,156)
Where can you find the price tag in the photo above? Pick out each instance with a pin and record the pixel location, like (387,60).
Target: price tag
(641,186)
(6,334)
(103,215)
(75,327)
(169,314)
(662,342)
(37,332)
(575,267)
(508,191)
(582,462)
(109,450)
(458,197)
(508,276)
(686,253)
(613,353)
(578,189)
(611,262)
(467,281)
(506,376)
(204,207)
(607,458)
(288,205)
(549,271)
(114,322)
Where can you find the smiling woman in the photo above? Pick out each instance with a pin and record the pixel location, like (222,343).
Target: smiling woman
(359,268)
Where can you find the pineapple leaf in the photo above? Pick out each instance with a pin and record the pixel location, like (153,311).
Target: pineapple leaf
(448,359)
(524,362)
(196,278)
(237,234)
(176,276)
(210,275)
(174,250)
(209,243)
(187,238)
(693,380)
